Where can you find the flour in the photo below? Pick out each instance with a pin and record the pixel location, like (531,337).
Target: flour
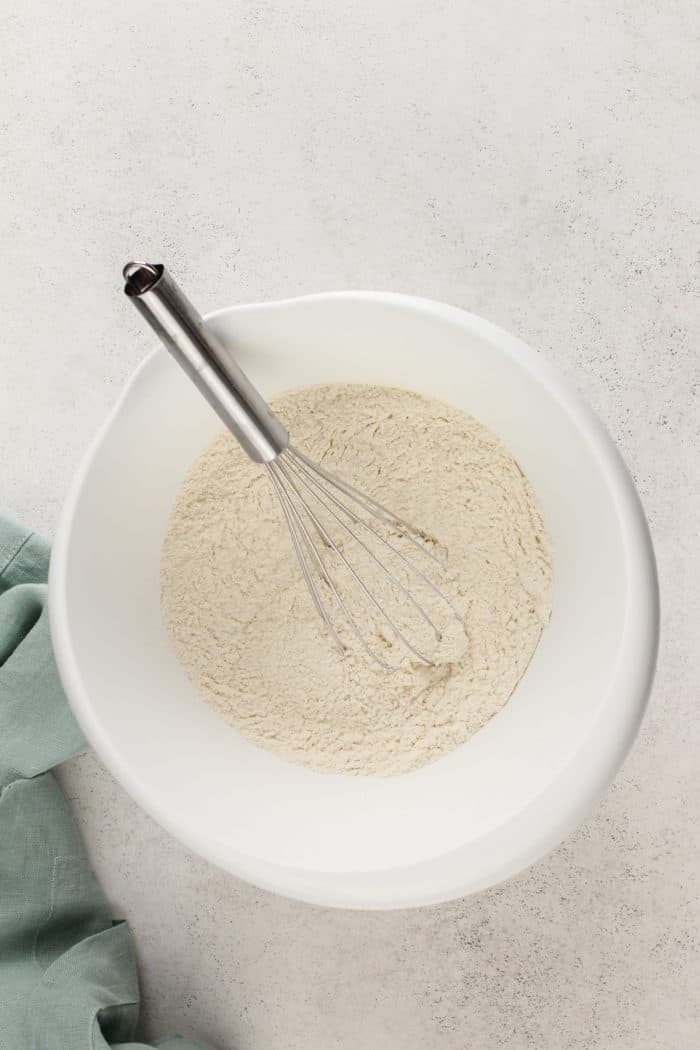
(244,626)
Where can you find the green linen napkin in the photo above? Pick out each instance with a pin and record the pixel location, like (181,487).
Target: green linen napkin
(67,971)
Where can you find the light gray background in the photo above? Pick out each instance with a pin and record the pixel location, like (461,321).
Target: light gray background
(536,162)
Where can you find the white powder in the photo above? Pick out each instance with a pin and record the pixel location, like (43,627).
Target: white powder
(243,623)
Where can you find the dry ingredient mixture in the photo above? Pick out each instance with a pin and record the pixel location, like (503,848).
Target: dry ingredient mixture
(245,628)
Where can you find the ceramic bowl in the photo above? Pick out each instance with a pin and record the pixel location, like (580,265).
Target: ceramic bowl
(481,813)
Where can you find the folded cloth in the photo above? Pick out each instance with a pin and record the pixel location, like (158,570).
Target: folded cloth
(67,971)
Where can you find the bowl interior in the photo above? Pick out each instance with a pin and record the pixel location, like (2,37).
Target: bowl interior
(249,810)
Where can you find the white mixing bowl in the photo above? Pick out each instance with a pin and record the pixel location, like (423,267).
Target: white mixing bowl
(481,813)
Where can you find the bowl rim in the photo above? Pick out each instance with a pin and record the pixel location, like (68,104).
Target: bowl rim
(549,816)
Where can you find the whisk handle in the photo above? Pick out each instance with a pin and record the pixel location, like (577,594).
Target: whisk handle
(205,360)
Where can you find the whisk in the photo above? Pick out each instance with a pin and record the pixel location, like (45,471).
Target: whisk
(311,497)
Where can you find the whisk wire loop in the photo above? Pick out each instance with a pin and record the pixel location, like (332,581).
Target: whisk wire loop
(313,499)
(282,471)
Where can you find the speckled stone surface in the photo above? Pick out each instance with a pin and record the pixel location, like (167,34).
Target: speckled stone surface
(537,163)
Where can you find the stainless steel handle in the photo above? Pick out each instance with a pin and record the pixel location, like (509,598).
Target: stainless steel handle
(205,360)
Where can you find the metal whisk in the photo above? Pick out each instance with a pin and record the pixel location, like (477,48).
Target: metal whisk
(311,498)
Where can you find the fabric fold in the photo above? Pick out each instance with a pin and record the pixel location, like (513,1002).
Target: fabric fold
(67,971)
